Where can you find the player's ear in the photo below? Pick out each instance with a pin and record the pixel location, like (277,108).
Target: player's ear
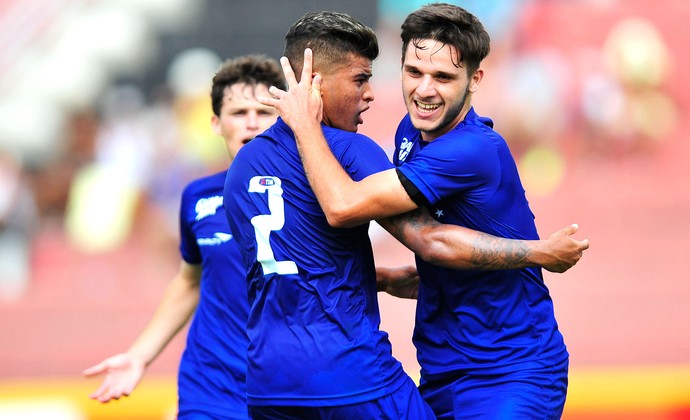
(215,124)
(476,80)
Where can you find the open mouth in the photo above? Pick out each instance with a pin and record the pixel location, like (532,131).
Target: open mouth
(247,140)
(425,108)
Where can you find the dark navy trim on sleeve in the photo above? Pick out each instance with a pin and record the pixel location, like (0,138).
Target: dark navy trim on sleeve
(412,190)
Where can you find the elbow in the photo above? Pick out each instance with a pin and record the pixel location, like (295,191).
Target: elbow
(433,254)
(431,249)
(442,251)
(337,221)
(340,217)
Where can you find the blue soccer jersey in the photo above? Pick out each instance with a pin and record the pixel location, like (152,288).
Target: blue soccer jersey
(212,371)
(314,318)
(495,321)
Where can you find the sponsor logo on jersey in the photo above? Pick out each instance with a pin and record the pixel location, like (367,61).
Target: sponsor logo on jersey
(267,182)
(218,238)
(207,206)
(405,148)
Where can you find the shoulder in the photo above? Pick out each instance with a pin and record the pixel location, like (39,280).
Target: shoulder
(358,154)
(406,123)
(473,135)
(206,185)
(405,128)
(342,141)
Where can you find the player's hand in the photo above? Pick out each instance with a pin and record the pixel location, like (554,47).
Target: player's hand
(302,102)
(562,251)
(402,282)
(122,374)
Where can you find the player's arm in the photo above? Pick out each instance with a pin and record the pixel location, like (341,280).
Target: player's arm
(461,248)
(345,202)
(124,371)
(349,203)
(402,282)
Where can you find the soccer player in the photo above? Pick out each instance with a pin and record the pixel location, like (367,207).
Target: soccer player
(211,278)
(487,341)
(315,348)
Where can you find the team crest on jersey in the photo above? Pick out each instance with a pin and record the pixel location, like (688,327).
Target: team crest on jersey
(405,148)
(208,206)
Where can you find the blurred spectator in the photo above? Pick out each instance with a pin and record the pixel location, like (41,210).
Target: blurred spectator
(17,224)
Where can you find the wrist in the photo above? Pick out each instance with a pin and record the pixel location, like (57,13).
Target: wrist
(381,279)
(536,253)
(306,129)
(139,356)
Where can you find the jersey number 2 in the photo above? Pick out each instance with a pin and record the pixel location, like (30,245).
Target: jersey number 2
(264,224)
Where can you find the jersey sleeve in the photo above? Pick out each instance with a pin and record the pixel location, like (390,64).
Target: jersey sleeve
(189,249)
(462,162)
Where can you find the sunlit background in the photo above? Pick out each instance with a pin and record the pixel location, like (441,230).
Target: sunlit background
(104,116)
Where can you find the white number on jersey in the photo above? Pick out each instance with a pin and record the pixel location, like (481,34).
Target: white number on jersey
(264,224)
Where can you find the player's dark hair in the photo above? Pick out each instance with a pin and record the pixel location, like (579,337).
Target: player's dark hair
(332,37)
(450,25)
(251,70)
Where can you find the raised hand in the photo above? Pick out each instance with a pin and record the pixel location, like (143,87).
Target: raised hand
(562,251)
(302,103)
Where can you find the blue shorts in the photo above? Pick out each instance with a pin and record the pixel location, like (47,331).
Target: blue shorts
(526,394)
(404,403)
(200,414)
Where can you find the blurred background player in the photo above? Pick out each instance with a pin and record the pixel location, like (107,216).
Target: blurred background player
(210,283)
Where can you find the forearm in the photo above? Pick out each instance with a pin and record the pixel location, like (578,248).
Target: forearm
(172,313)
(472,250)
(458,247)
(345,202)
(329,181)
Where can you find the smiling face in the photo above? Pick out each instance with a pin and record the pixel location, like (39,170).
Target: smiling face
(437,93)
(346,92)
(242,117)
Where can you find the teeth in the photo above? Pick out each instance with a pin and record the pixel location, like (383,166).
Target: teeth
(427,107)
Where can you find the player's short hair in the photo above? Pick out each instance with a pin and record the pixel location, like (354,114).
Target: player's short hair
(252,70)
(450,25)
(332,37)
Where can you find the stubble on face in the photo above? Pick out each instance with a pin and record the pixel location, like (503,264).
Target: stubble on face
(453,109)
(433,68)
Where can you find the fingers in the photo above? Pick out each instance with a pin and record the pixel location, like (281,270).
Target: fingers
(110,391)
(94,370)
(267,101)
(288,72)
(274,101)
(316,84)
(97,394)
(307,66)
(276,92)
(571,230)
